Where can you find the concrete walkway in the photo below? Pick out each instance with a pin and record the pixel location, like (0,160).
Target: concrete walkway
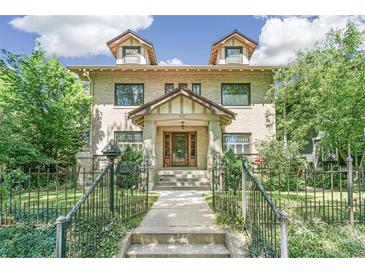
(179,209)
(180,224)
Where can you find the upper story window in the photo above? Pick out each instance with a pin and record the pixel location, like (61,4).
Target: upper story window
(129,138)
(196,87)
(237,94)
(233,54)
(183,85)
(239,143)
(169,87)
(131,54)
(129,94)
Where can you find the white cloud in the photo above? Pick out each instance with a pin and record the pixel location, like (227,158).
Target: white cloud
(171,62)
(281,38)
(78,36)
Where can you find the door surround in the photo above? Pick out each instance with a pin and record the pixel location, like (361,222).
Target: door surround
(168,148)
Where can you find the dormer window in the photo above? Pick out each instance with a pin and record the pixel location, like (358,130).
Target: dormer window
(131,55)
(233,55)
(234,48)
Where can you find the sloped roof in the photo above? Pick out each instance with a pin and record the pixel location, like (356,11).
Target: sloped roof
(232,33)
(112,43)
(147,108)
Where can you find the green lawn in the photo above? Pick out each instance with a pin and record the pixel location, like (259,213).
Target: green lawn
(300,196)
(61,196)
(41,196)
(43,207)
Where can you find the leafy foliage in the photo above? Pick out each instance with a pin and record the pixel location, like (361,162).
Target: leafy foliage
(282,161)
(232,170)
(109,245)
(131,156)
(323,91)
(321,240)
(26,241)
(44,110)
(128,167)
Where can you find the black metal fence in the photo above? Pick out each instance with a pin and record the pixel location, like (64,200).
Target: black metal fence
(333,194)
(40,195)
(241,195)
(119,193)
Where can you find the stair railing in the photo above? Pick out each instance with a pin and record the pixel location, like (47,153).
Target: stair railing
(266,226)
(119,193)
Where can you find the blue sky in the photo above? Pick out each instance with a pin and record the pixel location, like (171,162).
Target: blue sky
(188,37)
(80,40)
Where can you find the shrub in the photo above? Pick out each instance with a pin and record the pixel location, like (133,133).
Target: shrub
(128,168)
(283,162)
(232,171)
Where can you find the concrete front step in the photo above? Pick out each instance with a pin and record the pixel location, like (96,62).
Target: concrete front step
(182,179)
(183,184)
(186,179)
(178,235)
(173,188)
(182,172)
(177,251)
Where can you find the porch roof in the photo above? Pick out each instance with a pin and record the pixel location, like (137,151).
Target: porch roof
(137,114)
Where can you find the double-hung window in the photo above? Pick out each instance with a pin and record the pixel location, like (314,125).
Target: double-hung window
(129,138)
(233,54)
(169,87)
(237,94)
(129,94)
(239,143)
(196,87)
(131,54)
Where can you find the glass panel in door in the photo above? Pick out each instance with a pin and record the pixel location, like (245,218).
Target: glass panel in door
(179,149)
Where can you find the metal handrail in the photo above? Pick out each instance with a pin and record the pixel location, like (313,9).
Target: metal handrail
(266,196)
(281,216)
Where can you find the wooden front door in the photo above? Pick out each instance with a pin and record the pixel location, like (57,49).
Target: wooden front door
(179,149)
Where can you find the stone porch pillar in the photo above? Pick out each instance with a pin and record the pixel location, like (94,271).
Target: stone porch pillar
(214,141)
(149,145)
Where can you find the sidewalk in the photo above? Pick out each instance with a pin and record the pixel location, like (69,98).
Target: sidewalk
(180,209)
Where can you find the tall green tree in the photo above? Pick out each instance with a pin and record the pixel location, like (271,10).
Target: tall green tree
(324,91)
(44,109)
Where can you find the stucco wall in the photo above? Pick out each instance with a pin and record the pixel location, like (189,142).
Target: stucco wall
(109,118)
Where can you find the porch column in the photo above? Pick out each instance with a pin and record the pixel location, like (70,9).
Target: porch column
(149,144)
(214,141)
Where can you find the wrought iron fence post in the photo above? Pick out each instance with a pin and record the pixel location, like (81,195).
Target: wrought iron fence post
(214,178)
(350,199)
(60,237)
(147,170)
(284,236)
(244,187)
(111,188)
(111,151)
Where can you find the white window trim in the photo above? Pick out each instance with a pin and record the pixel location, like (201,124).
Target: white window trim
(235,143)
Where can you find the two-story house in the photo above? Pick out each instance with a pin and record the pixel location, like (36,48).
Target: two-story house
(179,115)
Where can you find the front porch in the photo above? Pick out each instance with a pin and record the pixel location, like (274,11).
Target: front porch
(182,131)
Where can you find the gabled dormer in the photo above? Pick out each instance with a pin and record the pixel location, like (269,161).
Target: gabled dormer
(234,48)
(129,48)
